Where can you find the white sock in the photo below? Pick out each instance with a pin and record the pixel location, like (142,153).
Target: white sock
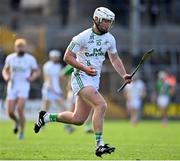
(99,139)
(51,117)
(46,118)
(101,142)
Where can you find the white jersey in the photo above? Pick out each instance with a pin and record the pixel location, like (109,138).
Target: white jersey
(135,89)
(20,69)
(90,48)
(53,70)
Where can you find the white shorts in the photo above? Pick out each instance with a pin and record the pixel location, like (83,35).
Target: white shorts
(134,104)
(17,91)
(50,96)
(80,80)
(163,101)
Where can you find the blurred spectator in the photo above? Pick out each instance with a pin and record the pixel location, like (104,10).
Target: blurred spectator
(153,12)
(121,9)
(135,93)
(168,9)
(2,60)
(64,12)
(15,7)
(171,80)
(143,10)
(163,95)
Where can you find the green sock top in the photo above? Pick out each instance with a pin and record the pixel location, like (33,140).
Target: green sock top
(53,117)
(98,136)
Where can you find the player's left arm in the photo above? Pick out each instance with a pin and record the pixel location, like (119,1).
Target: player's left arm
(143,95)
(35,74)
(119,66)
(6,73)
(35,71)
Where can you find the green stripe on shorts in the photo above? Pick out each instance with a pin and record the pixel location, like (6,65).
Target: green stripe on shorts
(79,81)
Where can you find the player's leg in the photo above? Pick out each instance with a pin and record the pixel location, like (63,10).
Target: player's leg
(88,123)
(61,102)
(135,108)
(20,109)
(163,102)
(92,97)
(138,114)
(135,117)
(45,105)
(11,109)
(22,96)
(11,104)
(131,115)
(164,113)
(131,111)
(77,117)
(71,99)
(46,100)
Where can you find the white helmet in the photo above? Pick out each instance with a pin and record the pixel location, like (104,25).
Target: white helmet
(55,53)
(103,13)
(161,75)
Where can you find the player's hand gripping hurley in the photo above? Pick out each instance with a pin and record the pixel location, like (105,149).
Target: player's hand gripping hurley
(144,58)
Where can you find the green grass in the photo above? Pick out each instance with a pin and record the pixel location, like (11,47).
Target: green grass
(148,141)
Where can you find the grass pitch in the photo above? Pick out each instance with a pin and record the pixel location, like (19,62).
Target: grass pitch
(148,141)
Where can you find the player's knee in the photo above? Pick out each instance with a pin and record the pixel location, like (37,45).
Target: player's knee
(78,122)
(102,106)
(11,113)
(20,112)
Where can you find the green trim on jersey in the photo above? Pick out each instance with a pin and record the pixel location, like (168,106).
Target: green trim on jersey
(67,70)
(78,79)
(162,88)
(71,46)
(96,32)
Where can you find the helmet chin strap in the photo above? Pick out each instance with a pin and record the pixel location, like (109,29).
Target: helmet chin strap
(97,26)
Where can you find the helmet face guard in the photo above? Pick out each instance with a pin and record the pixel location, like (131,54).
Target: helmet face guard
(99,28)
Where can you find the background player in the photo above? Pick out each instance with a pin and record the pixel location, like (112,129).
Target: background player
(52,91)
(19,71)
(163,92)
(134,93)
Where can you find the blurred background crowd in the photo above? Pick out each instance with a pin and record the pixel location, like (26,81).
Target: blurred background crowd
(139,26)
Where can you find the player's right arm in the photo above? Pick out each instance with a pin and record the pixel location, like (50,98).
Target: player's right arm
(70,58)
(6,70)
(6,73)
(35,70)
(70,55)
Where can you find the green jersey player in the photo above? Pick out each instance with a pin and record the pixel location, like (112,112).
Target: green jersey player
(86,54)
